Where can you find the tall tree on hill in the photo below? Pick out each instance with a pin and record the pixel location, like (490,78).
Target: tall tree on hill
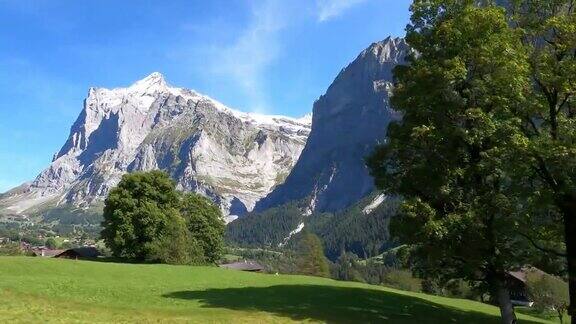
(146,219)
(458,97)
(543,160)
(138,212)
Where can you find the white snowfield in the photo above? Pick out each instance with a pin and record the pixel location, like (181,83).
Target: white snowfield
(233,157)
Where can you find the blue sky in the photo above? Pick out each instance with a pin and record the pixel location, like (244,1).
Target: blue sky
(268,56)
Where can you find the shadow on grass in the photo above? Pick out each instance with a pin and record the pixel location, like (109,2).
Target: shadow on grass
(333,304)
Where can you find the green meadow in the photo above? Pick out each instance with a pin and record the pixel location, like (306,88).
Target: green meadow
(35,290)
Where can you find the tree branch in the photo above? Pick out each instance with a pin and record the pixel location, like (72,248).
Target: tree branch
(566,97)
(541,248)
(545,173)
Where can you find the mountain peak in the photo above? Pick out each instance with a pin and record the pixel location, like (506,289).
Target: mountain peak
(306,119)
(153,82)
(350,119)
(153,77)
(235,158)
(388,50)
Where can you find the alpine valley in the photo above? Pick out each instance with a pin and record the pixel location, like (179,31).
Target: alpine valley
(330,191)
(277,174)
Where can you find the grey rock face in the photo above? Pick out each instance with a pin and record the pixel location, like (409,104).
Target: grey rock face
(235,158)
(348,121)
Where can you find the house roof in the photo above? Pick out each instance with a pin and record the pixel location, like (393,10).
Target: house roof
(83,252)
(243,266)
(522,274)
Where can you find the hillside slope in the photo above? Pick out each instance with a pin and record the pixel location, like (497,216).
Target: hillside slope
(64,291)
(361,228)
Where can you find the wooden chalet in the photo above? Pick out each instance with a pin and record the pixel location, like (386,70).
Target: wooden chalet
(517,282)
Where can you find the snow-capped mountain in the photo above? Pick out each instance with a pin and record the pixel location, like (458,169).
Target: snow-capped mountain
(233,157)
(348,121)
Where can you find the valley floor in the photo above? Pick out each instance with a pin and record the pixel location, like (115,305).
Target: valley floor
(34,290)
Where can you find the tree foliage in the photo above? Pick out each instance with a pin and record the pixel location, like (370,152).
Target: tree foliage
(548,292)
(514,96)
(347,268)
(543,161)
(204,223)
(146,219)
(265,229)
(51,243)
(11,249)
(354,231)
(467,77)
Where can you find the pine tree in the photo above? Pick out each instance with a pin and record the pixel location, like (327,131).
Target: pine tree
(311,259)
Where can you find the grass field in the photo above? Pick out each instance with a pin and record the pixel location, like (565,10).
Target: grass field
(34,290)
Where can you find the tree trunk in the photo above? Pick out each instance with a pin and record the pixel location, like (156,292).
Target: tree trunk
(502,296)
(569,211)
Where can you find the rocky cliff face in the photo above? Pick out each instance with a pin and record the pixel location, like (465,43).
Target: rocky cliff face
(232,157)
(348,121)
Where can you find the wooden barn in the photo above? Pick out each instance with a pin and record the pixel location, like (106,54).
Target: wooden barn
(517,282)
(86,252)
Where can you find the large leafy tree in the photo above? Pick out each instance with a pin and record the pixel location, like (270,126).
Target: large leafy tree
(147,219)
(138,212)
(544,161)
(459,96)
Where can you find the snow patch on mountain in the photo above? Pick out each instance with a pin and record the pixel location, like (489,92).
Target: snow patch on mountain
(294,232)
(374,204)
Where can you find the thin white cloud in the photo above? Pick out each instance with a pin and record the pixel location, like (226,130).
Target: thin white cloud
(245,59)
(329,9)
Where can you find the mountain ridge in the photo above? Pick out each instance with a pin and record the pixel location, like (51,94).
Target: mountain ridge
(349,120)
(242,161)
(233,157)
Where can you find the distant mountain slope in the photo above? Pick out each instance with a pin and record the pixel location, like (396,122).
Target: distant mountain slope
(234,158)
(348,121)
(362,228)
